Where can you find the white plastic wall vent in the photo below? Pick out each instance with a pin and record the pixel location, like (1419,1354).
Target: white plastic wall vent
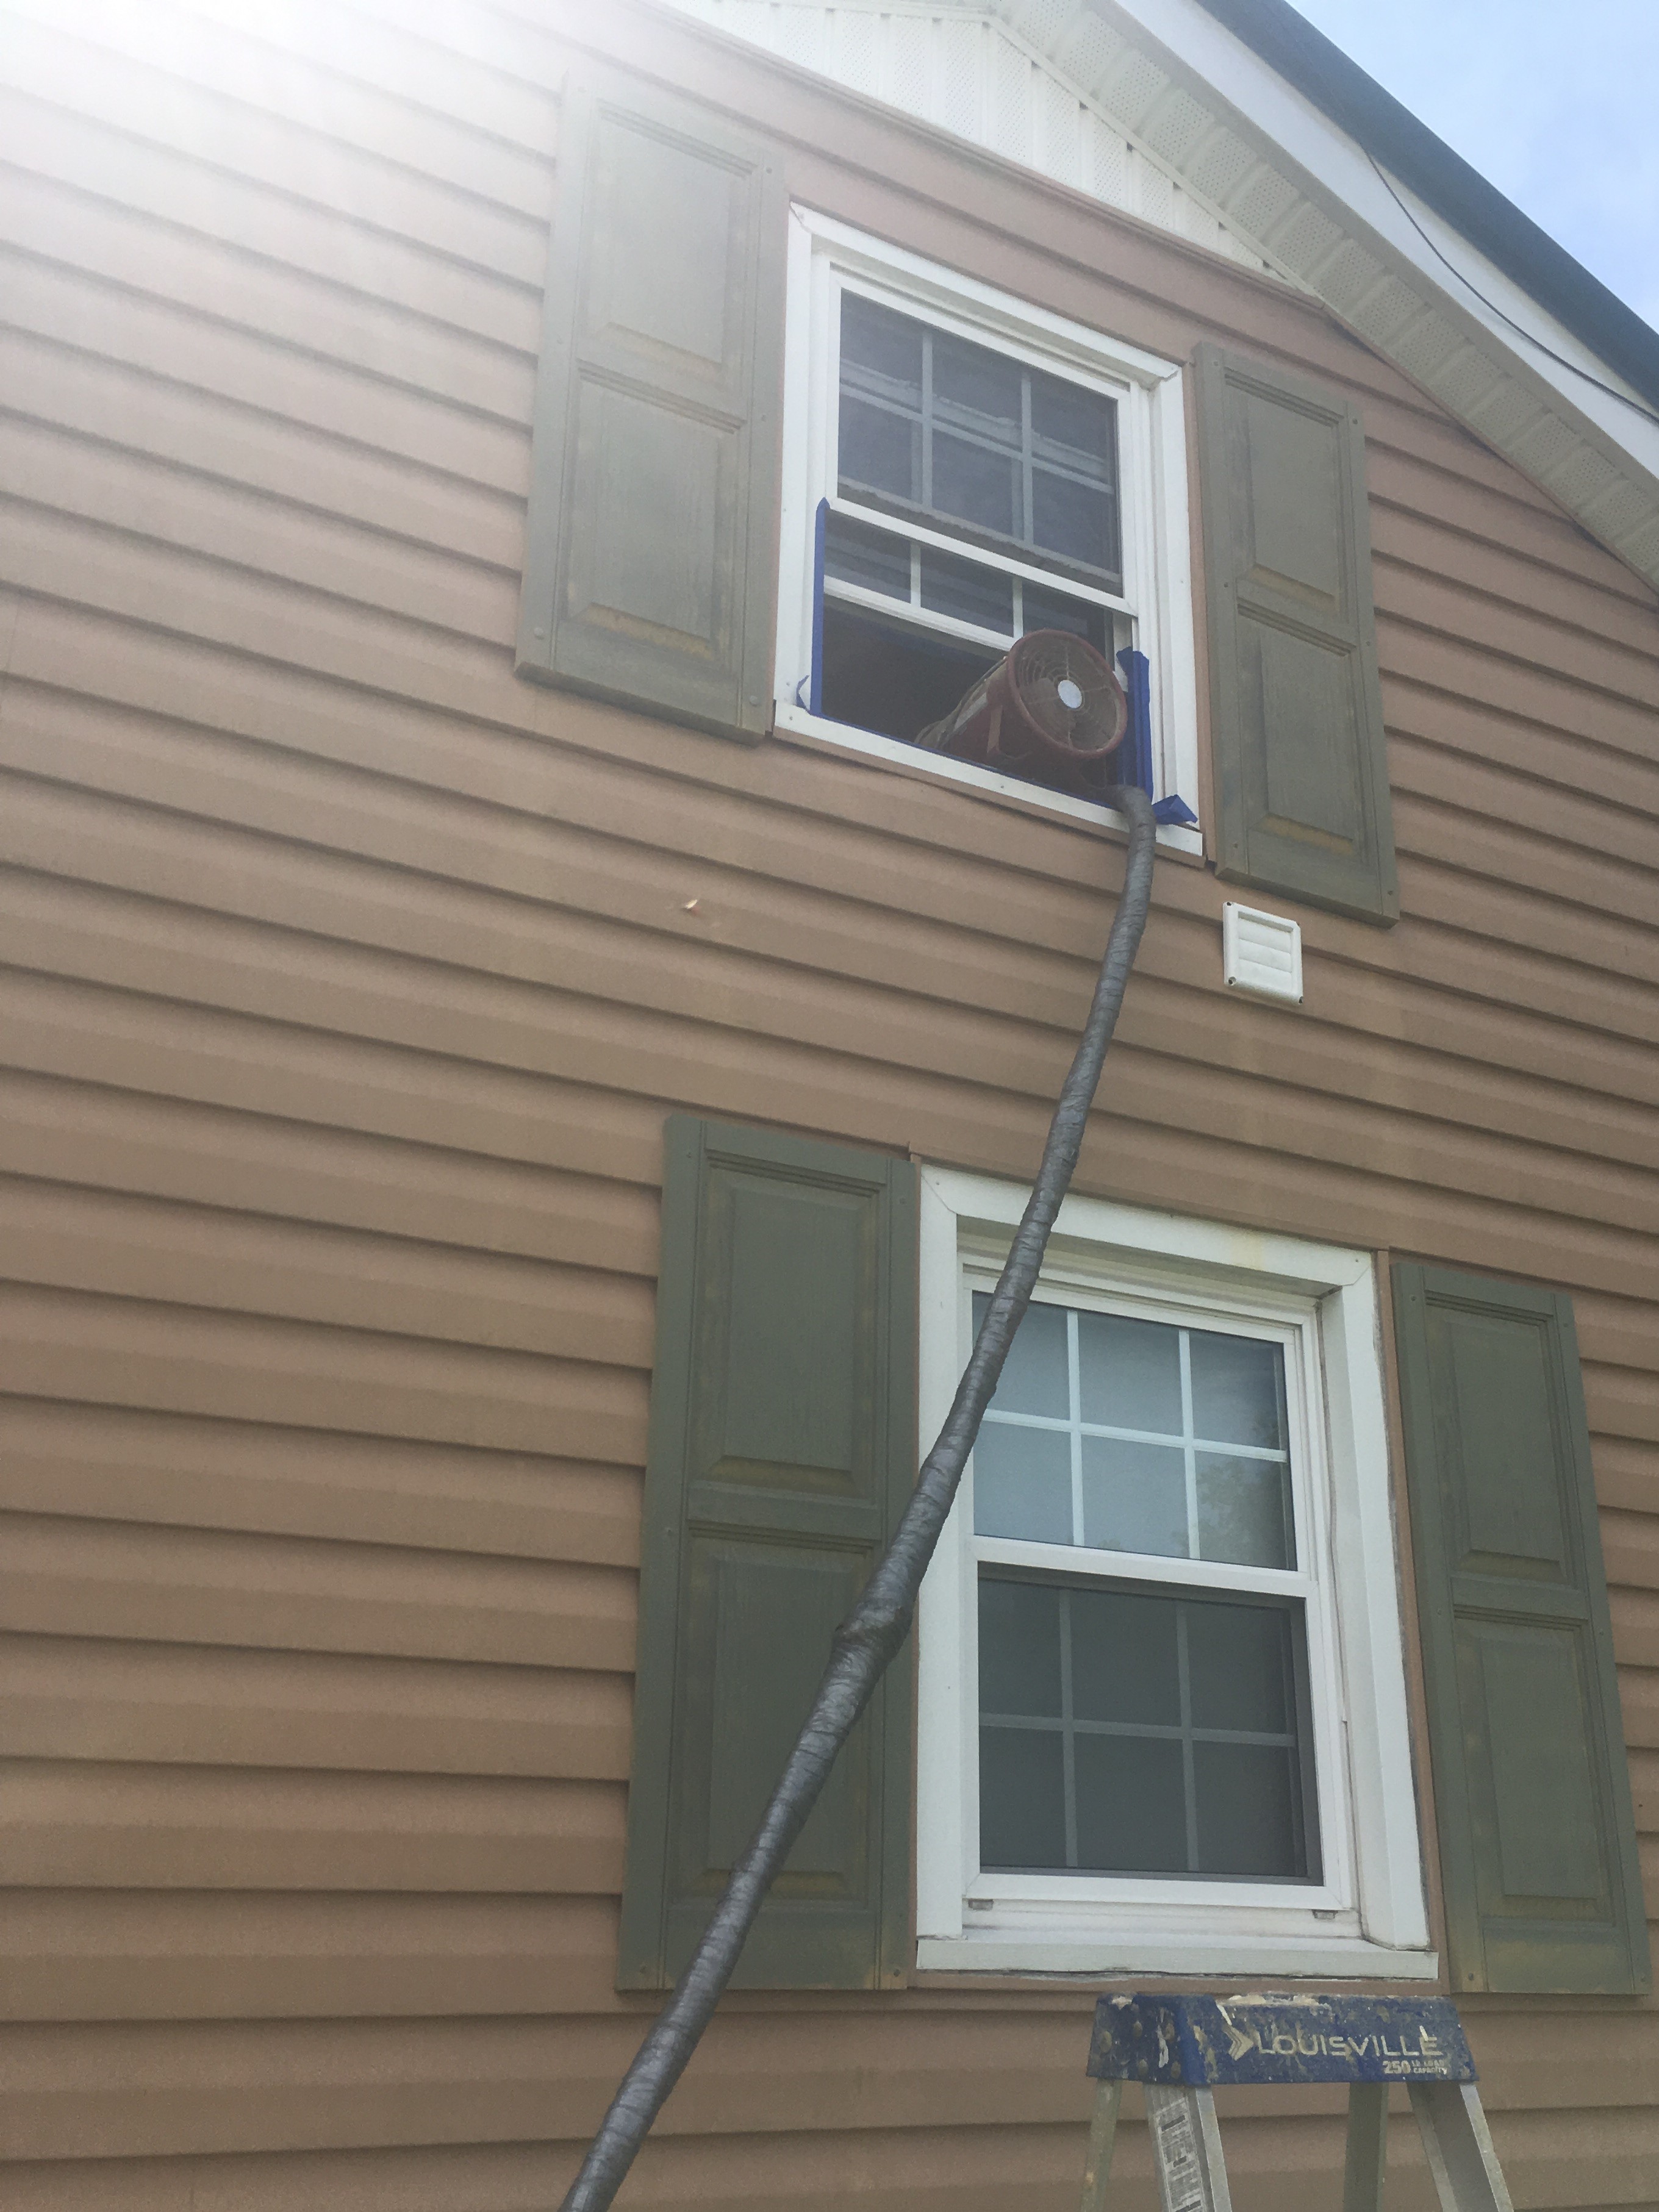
(1262,952)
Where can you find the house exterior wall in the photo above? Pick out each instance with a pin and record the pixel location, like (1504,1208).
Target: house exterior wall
(348,980)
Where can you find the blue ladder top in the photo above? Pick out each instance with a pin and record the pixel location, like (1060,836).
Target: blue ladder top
(1211,2043)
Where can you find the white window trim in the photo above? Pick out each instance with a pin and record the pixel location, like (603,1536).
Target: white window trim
(1368,1917)
(1153,465)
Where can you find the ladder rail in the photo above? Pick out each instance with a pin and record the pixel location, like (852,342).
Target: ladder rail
(1366,2158)
(1457,2143)
(1102,2139)
(1192,2172)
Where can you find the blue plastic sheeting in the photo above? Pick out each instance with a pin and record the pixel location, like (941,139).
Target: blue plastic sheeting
(1206,2043)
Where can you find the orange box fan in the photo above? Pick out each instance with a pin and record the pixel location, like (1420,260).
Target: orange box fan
(1051,711)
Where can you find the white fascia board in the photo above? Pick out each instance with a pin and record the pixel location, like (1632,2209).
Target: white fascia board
(1195,45)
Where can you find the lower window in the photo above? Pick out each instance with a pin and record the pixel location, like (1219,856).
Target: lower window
(1163,1710)
(1122,1732)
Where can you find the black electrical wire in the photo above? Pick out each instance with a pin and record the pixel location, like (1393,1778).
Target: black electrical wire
(873,1632)
(1521,329)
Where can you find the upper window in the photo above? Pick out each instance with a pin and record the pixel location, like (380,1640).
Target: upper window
(962,470)
(1162,1708)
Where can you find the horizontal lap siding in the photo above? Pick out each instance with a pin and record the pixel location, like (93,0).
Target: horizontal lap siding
(346,983)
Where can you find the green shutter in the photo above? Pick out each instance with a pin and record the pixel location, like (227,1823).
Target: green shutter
(782,1450)
(1301,769)
(1532,1793)
(654,468)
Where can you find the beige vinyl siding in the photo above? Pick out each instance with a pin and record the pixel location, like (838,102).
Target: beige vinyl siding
(347,982)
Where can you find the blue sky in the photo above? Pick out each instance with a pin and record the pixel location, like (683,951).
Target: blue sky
(1558,106)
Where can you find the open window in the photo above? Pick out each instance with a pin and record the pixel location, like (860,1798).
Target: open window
(962,470)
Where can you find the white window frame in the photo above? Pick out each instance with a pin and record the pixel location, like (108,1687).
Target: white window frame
(1156,594)
(1367,1916)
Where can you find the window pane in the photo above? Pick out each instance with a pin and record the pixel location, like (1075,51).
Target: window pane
(972,377)
(1179,1718)
(1238,1390)
(1244,1511)
(1246,1809)
(879,451)
(888,346)
(1066,414)
(1018,1647)
(1033,1378)
(965,590)
(1131,1804)
(859,554)
(1022,1483)
(1130,1372)
(1238,1667)
(975,484)
(1076,520)
(1126,1665)
(1134,1496)
(1046,610)
(1022,1797)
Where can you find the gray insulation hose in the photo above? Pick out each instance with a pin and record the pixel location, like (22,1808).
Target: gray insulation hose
(872,1635)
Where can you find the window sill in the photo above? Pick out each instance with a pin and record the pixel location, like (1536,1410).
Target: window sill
(796,725)
(1193,1958)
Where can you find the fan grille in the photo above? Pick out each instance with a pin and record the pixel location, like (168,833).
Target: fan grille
(1043,660)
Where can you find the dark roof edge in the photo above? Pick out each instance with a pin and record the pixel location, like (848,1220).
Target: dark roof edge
(1546,272)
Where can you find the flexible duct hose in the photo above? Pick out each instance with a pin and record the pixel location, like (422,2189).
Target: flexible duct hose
(873,1633)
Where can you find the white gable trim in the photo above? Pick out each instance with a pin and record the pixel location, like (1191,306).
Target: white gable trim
(1118,99)
(952,64)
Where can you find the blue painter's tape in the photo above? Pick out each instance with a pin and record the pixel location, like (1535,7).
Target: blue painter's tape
(816,695)
(1137,749)
(1173,809)
(1206,2043)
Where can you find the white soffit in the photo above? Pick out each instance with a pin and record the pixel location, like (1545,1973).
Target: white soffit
(1119,98)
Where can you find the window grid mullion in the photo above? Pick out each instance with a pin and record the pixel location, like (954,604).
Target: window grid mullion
(1188,1449)
(1141,1436)
(1028,512)
(1074,1398)
(928,419)
(1188,1774)
(1157,1731)
(1067,1738)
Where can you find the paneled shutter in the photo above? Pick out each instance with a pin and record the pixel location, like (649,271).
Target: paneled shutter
(1532,1791)
(1302,778)
(654,469)
(782,1450)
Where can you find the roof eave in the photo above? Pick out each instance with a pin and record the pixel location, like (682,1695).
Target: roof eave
(1341,89)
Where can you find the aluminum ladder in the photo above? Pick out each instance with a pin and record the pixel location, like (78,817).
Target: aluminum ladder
(1181,2049)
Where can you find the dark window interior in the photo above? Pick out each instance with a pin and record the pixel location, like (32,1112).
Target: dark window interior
(886,676)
